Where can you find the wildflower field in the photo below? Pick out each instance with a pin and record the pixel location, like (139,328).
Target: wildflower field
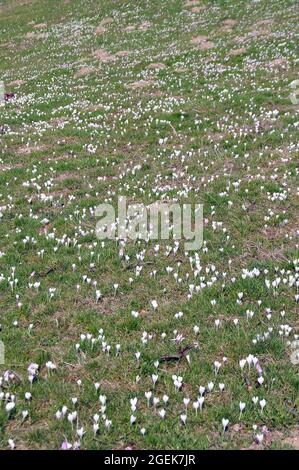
(123,344)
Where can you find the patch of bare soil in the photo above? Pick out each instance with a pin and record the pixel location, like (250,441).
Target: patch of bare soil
(277,437)
(265,22)
(140,84)
(205,46)
(123,53)
(103,55)
(156,66)
(66,176)
(129,28)
(17,83)
(144,26)
(260,32)
(6,44)
(100,30)
(28,150)
(94,107)
(141,27)
(237,52)
(40,25)
(153,94)
(293,439)
(115,384)
(34,35)
(226,29)
(181,70)
(43,230)
(271,437)
(83,71)
(230,22)
(192,3)
(106,21)
(27,427)
(202,42)
(10,167)
(198,9)
(279,232)
(280,62)
(216,136)
(199,39)
(58,121)
(228,25)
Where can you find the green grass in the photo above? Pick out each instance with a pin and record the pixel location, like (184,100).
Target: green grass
(203,131)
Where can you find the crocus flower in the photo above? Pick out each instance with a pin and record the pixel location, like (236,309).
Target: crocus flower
(183,418)
(225,423)
(66,446)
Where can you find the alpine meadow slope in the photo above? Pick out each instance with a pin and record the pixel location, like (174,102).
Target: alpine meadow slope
(138,344)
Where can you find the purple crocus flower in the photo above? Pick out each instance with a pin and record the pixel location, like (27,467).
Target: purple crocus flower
(259,369)
(66,446)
